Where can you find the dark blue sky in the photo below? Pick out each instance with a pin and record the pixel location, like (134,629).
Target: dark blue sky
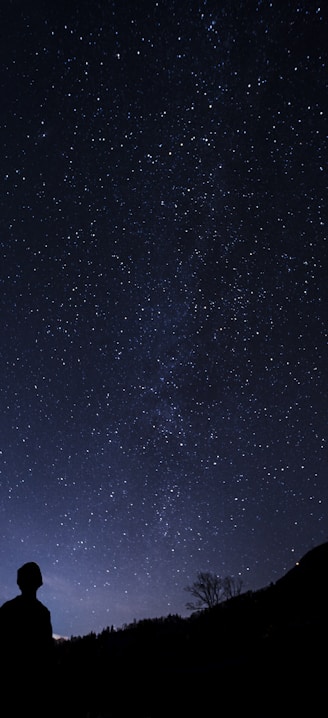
(163,298)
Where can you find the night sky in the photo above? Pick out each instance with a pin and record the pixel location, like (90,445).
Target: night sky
(163,288)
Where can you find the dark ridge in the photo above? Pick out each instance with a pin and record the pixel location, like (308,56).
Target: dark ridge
(262,652)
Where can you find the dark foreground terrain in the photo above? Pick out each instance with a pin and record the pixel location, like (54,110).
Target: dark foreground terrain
(263,652)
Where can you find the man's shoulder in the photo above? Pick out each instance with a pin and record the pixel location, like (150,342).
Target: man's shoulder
(20,603)
(42,608)
(9,611)
(8,605)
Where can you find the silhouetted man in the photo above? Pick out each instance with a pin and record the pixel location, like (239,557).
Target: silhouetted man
(26,646)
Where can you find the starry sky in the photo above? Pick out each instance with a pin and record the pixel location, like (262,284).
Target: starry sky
(163,289)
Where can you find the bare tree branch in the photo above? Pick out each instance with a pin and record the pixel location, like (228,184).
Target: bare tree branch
(209,590)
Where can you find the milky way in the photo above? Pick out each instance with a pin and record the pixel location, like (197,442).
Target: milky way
(163,298)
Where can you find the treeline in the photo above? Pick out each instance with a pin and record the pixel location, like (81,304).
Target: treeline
(258,651)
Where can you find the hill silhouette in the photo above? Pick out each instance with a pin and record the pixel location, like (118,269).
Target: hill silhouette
(262,651)
(306,572)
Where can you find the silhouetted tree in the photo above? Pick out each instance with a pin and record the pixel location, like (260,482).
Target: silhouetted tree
(209,590)
(231,587)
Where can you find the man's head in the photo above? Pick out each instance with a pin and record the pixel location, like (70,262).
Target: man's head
(29,577)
